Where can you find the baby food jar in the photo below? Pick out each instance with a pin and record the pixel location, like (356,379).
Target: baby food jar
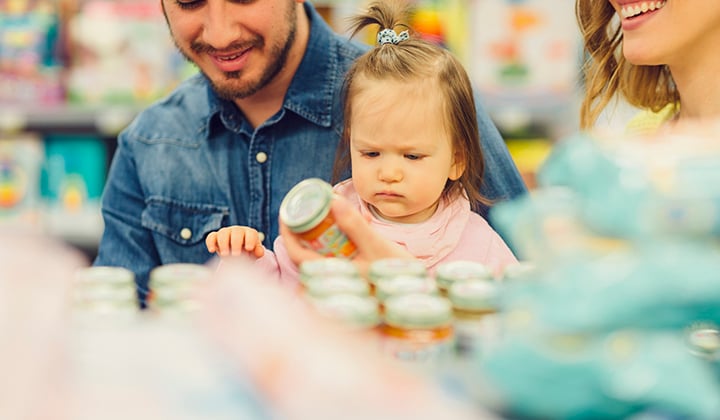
(523,270)
(327,267)
(394,267)
(353,311)
(477,325)
(403,285)
(305,210)
(337,285)
(104,290)
(452,272)
(171,287)
(418,328)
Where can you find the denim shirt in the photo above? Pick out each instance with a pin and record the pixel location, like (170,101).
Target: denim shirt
(191,163)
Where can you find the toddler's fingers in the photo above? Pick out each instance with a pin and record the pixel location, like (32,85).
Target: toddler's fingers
(238,241)
(223,242)
(211,242)
(259,250)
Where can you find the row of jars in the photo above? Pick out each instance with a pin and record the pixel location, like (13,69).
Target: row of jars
(419,317)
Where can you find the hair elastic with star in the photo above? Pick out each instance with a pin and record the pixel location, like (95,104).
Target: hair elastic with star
(389,36)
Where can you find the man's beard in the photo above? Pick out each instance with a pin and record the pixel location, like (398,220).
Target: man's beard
(278,55)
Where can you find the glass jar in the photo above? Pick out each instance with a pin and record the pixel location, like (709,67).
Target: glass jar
(403,285)
(393,267)
(418,328)
(105,291)
(476,322)
(327,267)
(523,270)
(355,311)
(305,210)
(455,271)
(703,340)
(336,285)
(171,286)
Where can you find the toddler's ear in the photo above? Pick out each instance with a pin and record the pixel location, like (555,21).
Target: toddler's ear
(457,168)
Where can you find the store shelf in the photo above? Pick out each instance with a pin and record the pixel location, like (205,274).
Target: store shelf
(105,121)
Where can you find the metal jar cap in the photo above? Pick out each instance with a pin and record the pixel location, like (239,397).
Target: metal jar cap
(306,204)
(418,311)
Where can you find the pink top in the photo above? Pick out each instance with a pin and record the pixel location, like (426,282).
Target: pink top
(453,233)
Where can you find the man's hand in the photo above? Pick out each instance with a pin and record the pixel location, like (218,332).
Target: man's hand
(370,245)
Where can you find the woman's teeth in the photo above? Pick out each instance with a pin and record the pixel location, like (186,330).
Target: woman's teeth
(632,10)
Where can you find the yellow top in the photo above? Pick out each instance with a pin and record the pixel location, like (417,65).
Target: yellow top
(648,122)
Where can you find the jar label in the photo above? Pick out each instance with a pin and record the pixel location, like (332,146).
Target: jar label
(332,242)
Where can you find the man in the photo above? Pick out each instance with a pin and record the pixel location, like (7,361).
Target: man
(226,145)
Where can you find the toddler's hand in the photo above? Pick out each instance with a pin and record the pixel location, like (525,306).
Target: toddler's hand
(234,241)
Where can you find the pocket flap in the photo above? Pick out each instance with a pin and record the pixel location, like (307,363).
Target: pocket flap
(185,223)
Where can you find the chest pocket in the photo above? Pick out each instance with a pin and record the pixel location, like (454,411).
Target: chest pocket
(183,223)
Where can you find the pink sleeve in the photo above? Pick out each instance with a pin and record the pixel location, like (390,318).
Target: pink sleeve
(479,242)
(288,272)
(499,254)
(268,265)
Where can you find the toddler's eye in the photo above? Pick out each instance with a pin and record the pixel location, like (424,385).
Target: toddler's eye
(412,157)
(189,4)
(371,154)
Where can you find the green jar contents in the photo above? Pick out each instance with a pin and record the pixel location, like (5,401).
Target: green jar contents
(393,267)
(336,285)
(171,286)
(327,267)
(457,271)
(354,311)
(418,328)
(403,285)
(105,290)
(477,324)
(305,210)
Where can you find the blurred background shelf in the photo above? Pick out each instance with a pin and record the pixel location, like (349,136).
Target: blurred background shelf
(74,73)
(106,121)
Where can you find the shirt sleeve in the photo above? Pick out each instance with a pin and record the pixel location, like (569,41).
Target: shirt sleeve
(288,273)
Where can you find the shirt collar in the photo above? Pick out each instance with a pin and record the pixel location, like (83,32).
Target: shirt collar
(314,86)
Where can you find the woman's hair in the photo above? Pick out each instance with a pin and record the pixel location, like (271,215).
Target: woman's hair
(606,70)
(416,60)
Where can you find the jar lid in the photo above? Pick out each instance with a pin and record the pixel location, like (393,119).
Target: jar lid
(178,274)
(393,267)
(97,293)
(404,285)
(418,311)
(474,295)
(336,285)
(358,311)
(520,271)
(451,272)
(327,267)
(704,340)
(306,204)
(105,276)
(103,288)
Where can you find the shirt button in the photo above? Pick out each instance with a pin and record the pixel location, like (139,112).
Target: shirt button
(261,236)
(261,157)
(186,233)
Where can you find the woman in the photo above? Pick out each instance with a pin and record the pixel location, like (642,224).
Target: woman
(658,55)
